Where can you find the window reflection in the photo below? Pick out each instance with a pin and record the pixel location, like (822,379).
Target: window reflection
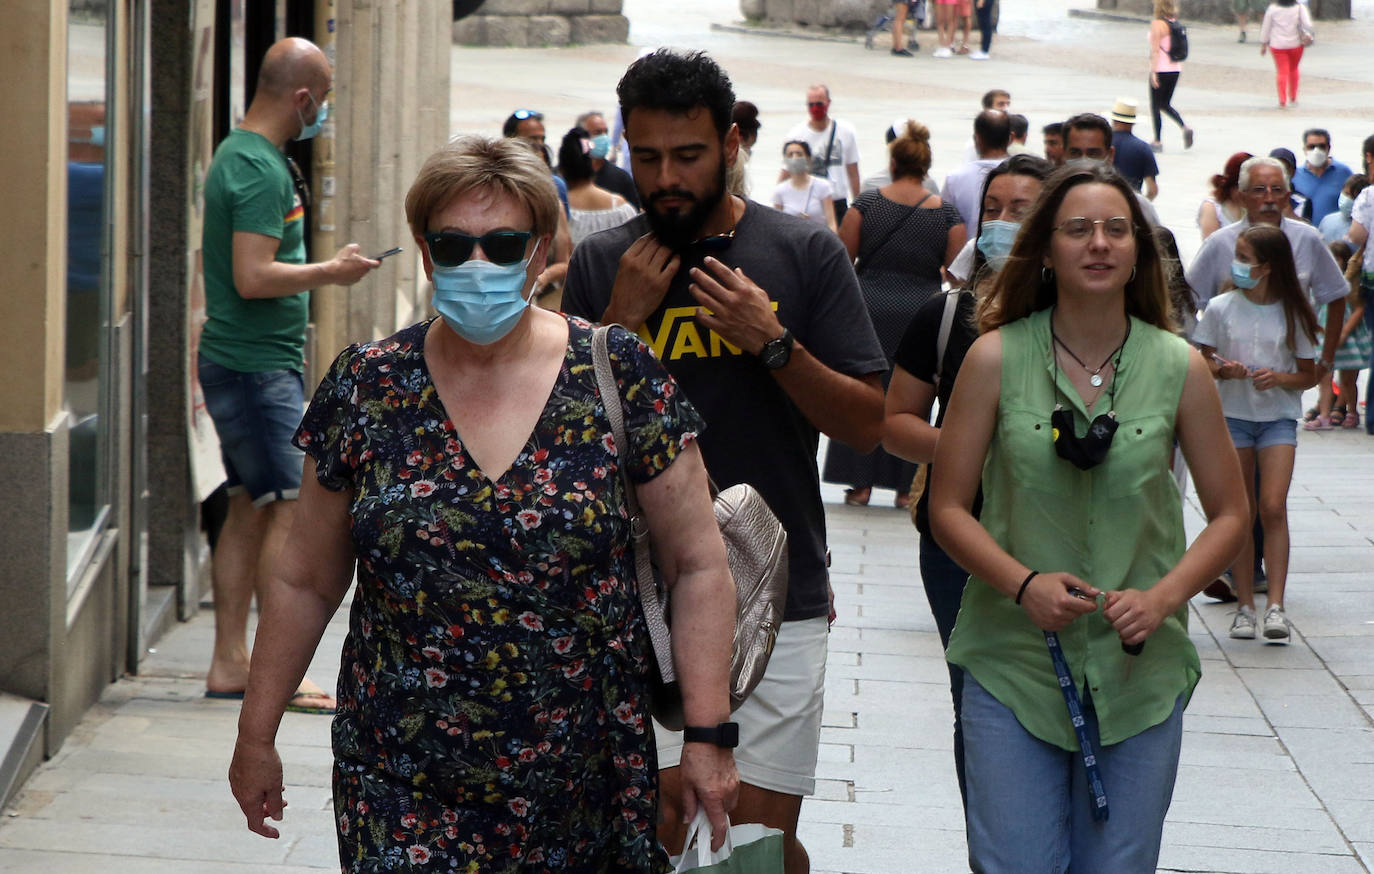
(87,273)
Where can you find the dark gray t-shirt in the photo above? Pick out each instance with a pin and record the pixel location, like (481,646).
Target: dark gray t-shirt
(754,432)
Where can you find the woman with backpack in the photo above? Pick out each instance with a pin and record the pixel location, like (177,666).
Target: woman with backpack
(1168,48)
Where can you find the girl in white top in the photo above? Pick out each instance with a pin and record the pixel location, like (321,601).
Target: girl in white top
(802,194)
(590,208)
(1259,342)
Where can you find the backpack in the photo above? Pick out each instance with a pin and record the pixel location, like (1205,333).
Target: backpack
(1178,41)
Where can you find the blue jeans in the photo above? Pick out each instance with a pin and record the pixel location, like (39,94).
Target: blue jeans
(1029,808)
(944,583)
(255,416)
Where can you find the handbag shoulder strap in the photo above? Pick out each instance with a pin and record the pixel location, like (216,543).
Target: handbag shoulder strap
(942,339)
(865,257)
(645,581)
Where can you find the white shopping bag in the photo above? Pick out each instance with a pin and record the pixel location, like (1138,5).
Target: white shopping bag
(750,848)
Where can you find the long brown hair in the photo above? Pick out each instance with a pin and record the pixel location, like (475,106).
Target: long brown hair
(1271,247)
(1022,287)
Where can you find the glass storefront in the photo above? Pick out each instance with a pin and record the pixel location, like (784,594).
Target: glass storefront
(87,378)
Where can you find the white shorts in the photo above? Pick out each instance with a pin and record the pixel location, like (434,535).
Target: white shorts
(780,723)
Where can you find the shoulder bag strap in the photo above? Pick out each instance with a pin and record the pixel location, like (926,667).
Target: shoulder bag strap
(865,257)
(942,339)
(645,580)
(830,146)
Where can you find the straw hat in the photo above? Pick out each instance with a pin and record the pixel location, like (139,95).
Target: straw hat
(1124,111)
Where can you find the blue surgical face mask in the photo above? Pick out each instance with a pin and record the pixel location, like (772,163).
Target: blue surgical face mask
(1240,275)
(1346,204)
(995,240)
(310,130)
(601,146)
(481,301)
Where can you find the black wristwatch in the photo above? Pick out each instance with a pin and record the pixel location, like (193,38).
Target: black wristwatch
(776,353)
(726,735)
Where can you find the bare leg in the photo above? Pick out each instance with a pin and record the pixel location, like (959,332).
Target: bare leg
(774,809)
(898,25)
(1326,398)
(944,22)
(233,574)
(965,25)
(1350,391)
(1243,568)
(1276,472)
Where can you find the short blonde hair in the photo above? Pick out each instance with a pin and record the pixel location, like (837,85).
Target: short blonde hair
(473,163)
(1166,8)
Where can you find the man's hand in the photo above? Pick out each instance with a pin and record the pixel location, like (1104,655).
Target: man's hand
(708,776)
(646,270)
(1134,614)
(734,307)
(347,266)
(256,781)
(1049,603)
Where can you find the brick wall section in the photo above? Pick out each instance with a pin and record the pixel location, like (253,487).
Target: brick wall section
(523,23)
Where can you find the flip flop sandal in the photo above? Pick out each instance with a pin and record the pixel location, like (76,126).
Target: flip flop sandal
(310,708)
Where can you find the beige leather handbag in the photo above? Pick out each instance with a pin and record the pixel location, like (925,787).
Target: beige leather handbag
(755,546)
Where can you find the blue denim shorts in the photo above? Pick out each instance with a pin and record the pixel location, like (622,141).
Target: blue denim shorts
(1261,435)
(255,416)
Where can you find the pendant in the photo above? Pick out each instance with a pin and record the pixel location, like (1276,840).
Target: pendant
(1096,380)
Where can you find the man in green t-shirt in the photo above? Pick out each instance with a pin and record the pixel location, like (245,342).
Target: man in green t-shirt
(257,287)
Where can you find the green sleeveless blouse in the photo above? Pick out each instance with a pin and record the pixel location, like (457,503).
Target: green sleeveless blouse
(1116,526)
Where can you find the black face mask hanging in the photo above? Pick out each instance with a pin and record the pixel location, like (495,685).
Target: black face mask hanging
(1090,450)
(1084,452)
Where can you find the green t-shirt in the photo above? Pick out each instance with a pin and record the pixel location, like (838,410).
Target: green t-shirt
(1118,525)
(249,189)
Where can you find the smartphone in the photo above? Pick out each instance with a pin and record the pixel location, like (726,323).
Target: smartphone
(387,254)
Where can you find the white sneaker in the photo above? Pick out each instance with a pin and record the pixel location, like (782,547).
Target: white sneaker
(942,52)
(1243,626)
(1275,625)
(976,55)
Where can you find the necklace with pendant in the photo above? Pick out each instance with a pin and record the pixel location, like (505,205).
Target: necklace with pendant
(1095,376)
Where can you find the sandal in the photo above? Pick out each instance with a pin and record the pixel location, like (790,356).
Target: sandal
(1321,423)
(857,497)
(962,50)
(1311,415)
(1337,415)
(1352,420)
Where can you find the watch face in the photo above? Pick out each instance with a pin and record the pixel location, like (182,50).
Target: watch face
(775,353)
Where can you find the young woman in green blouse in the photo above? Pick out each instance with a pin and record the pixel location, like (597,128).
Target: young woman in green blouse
(1067,409)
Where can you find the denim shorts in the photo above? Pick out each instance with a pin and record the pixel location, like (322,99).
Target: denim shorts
(1261,435)
(255,416)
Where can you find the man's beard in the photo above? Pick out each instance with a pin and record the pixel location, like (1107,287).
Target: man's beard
(678,230)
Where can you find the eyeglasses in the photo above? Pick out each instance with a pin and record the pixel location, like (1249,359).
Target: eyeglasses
(523,114)
(1261,190)
(1117,228)
(821,103)
(449,248)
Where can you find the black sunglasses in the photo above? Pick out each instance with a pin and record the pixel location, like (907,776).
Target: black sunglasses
(449,248)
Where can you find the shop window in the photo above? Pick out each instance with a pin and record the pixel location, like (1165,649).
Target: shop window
(87,383)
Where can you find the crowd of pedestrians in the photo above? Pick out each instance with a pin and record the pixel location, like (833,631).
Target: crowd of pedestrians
(494,708)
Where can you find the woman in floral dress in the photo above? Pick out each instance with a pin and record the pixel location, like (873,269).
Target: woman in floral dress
(493,713)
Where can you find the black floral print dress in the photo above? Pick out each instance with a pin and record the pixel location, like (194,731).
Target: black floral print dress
(492,702)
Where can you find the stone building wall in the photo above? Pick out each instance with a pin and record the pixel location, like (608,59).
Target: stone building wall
(1219,11)
(522,23)
(846,14)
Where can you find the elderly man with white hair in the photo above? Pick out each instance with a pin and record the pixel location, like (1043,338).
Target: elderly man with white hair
(1264,188)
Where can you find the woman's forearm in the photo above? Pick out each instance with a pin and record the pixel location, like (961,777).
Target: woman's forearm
(291,622)
(966,541)
(703,630)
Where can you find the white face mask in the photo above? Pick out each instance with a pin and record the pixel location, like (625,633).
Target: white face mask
(1317,157)
(796,164)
